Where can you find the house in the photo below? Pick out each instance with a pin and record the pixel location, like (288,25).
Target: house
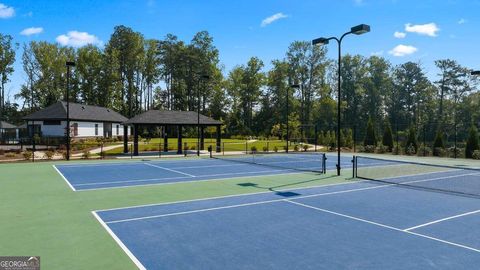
(86,121)
(8,132)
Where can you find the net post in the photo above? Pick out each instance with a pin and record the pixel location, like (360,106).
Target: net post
(246,147)
(210,151)
(101,151)
(354,166)
(324,161)
(185,149)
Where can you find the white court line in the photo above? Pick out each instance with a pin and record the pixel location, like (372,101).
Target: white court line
(181,177)
(193,211)
(441,220)
(229,196)
(171,170)
(299,197)
(383,225)
(64,178)
(120,243)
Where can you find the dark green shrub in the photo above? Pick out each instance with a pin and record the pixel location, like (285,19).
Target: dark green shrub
(411,145)
(370,138)
(369,148)
(472,142)
(387,139)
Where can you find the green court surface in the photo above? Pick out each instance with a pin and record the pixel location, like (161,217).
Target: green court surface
(42,216)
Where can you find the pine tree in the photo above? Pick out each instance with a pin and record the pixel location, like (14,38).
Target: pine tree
(387,139)
(370,138)
(472,142)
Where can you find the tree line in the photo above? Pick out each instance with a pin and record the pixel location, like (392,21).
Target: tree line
(131,74)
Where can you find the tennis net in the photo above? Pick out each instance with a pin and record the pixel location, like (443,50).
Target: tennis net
(435,177)
(298,161)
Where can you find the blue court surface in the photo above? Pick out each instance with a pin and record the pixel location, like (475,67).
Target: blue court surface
(125,174)
(355,225)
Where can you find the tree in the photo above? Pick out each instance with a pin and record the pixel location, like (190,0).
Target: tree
(472,142)
(370,138)
(7,58)
(387,139)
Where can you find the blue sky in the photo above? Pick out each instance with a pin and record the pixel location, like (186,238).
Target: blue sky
(426,30)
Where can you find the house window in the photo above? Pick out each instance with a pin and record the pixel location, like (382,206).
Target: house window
(96,129)
(118,129)
(51,123)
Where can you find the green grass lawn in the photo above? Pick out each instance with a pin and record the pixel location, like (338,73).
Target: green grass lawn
(42,216)
(227,144)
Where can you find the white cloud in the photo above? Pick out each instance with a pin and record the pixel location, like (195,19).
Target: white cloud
(462,21)
(77,39)
(6,11)
(402,50)
(273,18)
(379,53)
(429,29)
(399,34)
(31,31)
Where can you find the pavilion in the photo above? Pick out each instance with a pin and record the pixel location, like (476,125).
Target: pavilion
(178,119)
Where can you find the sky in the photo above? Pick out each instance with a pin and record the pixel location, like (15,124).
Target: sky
(401,30)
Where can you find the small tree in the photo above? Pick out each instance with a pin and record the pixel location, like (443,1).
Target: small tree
(412,144)
(342,138)
(387,139)
(370,138)
(348,138)
(472,142)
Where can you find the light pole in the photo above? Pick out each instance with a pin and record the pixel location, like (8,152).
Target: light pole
(204,78)
(68,64)
(357,30)
(293,86)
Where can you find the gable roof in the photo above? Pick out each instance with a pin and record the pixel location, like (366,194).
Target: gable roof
(79,112)
(4,125)
(156,117)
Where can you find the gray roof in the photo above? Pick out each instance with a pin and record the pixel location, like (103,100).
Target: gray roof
(155,117)
(5,125)
(79,112)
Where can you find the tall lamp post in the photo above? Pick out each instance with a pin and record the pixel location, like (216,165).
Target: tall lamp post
(357,30)
(204,78)
(293,86)
(68,64)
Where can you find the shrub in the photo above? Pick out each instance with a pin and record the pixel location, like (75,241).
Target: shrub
(387,139)
(424,151)
(265,149)
(451,152)
(369,149)
(472,142)
(296,148)
(439,152)
(410,150)
(360,148)
(275,149)
(411,142)
(305,147)
(438,142)
(370,138)
(49,154)
(253,149)
(397,150)
(476,154)
(86,154)
(381,149)
(27,155)
(10,155)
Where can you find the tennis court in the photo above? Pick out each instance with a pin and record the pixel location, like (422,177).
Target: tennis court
(153,172)
(360,224)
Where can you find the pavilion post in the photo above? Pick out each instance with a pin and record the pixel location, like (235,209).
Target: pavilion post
(202,138)
(165,139)
(125,139)
(179,144)
(135,140)
(219,139)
